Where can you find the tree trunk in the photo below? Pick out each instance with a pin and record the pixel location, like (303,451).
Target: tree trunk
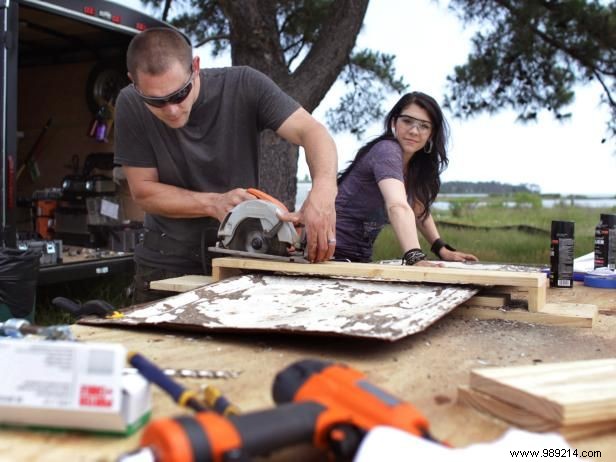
(278,168)
(255,42)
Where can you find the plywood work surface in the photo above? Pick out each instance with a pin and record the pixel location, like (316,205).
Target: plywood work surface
(424,369)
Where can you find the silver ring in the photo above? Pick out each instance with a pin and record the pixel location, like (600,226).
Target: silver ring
(331,241)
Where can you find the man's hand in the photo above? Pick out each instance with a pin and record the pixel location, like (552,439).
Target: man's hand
(318,214)
(229,200)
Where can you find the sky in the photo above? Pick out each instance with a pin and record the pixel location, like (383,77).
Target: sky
(429,41)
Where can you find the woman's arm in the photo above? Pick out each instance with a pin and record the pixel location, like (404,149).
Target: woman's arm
(428,229)
(401,215)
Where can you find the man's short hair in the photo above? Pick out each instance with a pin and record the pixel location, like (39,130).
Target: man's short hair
(155,50)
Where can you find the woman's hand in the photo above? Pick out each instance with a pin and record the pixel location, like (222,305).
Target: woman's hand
(455,255)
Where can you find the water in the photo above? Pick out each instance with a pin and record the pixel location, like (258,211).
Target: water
(599,202)
(302,192)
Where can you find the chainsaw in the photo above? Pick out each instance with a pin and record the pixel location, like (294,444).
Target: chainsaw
(253,229)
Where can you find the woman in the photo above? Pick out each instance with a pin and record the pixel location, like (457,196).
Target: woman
(397,173)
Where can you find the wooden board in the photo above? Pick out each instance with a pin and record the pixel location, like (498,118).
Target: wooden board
(255,302)
(182,283)
(568,393)
(534,282)
(526,419)
(552,314)
(490,300)
(384,272)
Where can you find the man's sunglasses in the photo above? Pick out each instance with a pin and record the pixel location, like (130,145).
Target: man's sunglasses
(174,98)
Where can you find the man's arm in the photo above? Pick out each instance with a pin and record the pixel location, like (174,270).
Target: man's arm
(318,212)
(170,201)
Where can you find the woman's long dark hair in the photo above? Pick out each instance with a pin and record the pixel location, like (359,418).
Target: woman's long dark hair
(423,180)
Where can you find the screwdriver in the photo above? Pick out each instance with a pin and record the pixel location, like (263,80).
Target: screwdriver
(181,395)
(214,399)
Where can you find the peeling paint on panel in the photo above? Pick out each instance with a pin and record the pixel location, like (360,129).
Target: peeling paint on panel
(383,310)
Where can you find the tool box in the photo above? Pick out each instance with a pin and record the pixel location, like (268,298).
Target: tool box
(71,385)
(51,251)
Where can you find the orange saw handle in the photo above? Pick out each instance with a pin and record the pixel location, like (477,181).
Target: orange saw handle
(266,197)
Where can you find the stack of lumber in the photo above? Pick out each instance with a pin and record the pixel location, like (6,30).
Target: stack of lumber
(575,398)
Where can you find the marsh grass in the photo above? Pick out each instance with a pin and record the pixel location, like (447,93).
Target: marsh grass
(498,245)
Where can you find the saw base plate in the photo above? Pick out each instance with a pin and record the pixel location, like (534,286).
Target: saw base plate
(262,256)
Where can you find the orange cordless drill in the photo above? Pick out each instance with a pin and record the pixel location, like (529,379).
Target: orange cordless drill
(353,406)
(330,405)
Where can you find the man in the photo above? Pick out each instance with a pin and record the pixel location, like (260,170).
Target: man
(188,141)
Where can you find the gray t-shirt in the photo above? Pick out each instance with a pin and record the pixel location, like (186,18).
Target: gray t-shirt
(216,151)
(360,207)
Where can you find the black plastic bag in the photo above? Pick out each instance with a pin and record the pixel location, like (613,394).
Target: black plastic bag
(18,278)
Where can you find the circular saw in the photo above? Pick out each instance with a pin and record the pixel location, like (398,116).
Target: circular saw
(253,229)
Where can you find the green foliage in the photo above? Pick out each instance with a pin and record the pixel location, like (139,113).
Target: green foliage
(485,187)
(523,199)
(462,206)
(368,76)
(529,55)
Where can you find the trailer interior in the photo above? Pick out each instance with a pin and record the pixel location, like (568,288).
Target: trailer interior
(70,201)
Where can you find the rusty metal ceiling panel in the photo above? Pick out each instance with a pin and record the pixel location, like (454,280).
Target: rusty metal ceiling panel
(254,302)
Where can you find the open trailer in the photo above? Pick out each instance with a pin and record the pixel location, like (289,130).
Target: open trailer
(62,66)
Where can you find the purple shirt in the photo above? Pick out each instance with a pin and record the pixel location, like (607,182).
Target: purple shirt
(360,207)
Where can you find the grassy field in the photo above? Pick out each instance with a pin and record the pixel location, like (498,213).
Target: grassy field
(500,245)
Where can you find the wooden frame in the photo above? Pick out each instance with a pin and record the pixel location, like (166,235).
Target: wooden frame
(535,283)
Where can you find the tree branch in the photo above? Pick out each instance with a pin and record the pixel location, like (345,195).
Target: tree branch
(213,38)
(571,52)
(606,89)
(166,9)
(342,27)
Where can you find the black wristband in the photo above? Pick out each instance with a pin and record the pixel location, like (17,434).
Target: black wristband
(413,256)
(438,245)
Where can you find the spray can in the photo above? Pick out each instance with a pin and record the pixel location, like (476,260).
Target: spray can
(605,242)
(561,254)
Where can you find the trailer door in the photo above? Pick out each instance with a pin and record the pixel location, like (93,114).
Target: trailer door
(8,120)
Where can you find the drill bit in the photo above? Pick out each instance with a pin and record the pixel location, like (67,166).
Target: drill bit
(202,373)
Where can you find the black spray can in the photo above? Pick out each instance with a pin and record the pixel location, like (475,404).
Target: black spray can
(605,242)
(561,254)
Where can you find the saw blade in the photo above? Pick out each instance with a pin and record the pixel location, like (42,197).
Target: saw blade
(250,237)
